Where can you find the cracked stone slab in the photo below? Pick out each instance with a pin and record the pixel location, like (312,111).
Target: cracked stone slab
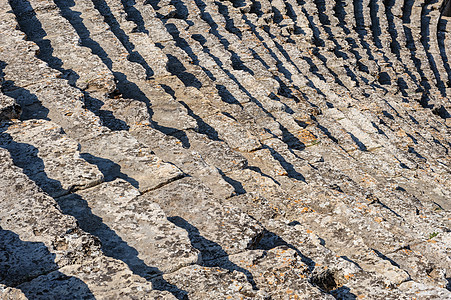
(254,181)
(214,228)
(93,280)
(44,254)
(131,228)
(190,161)
(232,133)
(49,157)
(23,203)
(277,273)
(119,154)
(21,261)
(216,153)
(202,283)
(56,100)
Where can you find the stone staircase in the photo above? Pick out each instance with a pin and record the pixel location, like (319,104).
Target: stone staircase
(212,149)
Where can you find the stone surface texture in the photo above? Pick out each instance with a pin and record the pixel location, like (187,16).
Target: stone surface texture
(216,149)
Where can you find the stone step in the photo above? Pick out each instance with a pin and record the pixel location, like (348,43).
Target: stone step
(117,50)
(64,105)
(48,157)
(214,228)
(131,229)
(209,150)
(118,154)
(43,22)
(52,257)
(202,160)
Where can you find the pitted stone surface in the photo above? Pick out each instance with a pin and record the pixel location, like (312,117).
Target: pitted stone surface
(104,209)
(44,252)
(48,157)
(117,153)
(215,228)
(225,149)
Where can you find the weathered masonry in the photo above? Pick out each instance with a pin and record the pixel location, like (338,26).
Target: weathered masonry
(210,149)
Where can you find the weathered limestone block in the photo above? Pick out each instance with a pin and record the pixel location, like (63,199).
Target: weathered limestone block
(44,254)
(202,283)
(278,273)
(224,149)
(93,280)
(216,153)
(214,228)
(165,111)
(130,228)
(23,203)
(130,111)
(48,157)
(22,261)
(36,237)
(415,289)
(233,134)
(185,155)
(89,73)
(119,154)
(54,99)
(249,180)
(9,293)
(334,273)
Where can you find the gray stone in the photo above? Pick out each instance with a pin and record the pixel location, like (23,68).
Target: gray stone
(119,154)
(224,149)
(215,228)
(131,228)
(48,157)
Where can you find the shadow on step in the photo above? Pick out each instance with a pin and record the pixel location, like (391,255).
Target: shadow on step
(271,240)
(324,279)
(113,245)
(30,104)
(426,20)
(213,254)
(32,27)
(133,55)
(109,169)
(443,44)
(21,262)
(343,293)
(25,156)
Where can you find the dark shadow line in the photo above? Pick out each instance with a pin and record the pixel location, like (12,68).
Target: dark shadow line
(112,244)
(288,167)
(134,15)
(442,47)
(207,18)
(21,262)
(217,256)
(125,87)
(30,106)
(237,186)
(133,56)
(270,240)
(359,144)
(425,21)
(410,44)
(32,27)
